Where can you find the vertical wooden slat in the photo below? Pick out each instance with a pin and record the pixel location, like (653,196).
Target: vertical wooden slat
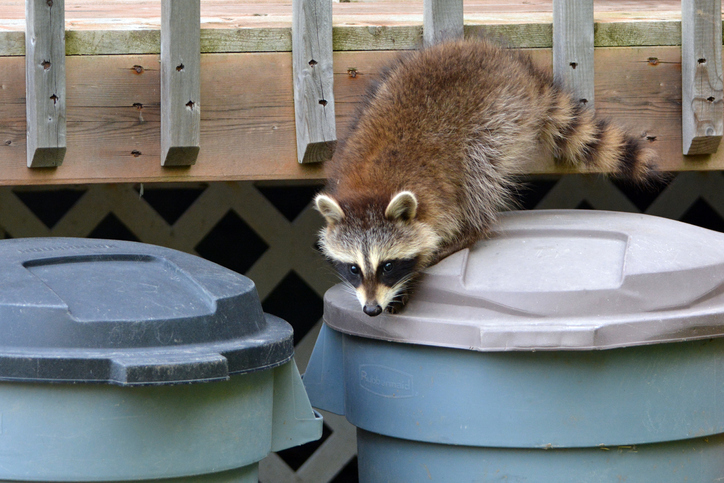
(313,80)
(45,82)
(573,46)
(442,19)
(702,107)
(180,81)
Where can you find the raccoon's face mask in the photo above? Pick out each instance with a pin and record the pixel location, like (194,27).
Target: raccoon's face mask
(376,251)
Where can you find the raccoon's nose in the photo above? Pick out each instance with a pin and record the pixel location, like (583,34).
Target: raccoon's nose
(372,309)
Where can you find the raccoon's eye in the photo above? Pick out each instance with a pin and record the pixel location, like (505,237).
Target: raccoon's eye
(387,267)
(354,270)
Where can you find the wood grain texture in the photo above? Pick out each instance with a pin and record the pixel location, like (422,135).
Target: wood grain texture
(313,76)
(247,128)
(701,71)
(180,82)
(573,47)
(442,19)
(45,83)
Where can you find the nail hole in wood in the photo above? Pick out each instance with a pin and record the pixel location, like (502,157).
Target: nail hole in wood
(137,69)
(710,99)
(702,61)
(583,101)
(653,61)
(313,62)
(650,138)
(352,71)
(180,67)
(45,64)
(135,153)
(138,105)
(54,98)
(574,64)
(8,142)
(50,3)
(323,102)
(190,104)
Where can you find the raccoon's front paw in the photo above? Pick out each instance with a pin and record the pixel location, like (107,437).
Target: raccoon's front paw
(392,309)
(396,306)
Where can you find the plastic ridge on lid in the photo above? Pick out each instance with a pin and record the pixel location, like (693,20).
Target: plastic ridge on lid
(74,310)
(560,280)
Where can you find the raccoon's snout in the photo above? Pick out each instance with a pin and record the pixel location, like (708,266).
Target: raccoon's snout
(372,309)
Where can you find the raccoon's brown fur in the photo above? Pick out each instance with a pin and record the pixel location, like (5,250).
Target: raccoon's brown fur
(433,155)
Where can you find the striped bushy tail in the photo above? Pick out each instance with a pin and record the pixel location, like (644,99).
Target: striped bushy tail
(591,144)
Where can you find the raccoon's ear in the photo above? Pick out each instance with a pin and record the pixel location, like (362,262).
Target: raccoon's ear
(330,209)
(403,206)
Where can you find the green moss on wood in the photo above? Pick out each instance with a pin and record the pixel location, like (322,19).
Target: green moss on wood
(529,35)
(109,42)
(621,34)
(376,37)
(12,43)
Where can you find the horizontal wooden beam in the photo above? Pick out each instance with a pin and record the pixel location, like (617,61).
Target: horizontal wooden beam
(247,128)
(132,26)
(535,34)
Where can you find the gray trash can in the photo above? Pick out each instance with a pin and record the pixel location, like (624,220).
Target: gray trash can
(122,361)
(573,346)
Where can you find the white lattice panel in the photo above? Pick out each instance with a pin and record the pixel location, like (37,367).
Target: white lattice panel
(695,197)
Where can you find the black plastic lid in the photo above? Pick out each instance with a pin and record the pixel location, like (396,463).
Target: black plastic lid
(80,310)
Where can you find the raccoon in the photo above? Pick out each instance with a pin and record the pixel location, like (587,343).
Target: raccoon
(434,154)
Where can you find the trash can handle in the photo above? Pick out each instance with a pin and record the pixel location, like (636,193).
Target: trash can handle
(294,422)
(324,378)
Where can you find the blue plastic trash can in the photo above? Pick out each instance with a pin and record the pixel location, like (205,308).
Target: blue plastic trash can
(571,346)
(125,362)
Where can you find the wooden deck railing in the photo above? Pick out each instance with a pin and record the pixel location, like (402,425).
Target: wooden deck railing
(45,82)
(701,73)
(133,116)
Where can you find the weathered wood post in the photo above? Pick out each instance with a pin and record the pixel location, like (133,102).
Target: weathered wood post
(573,46)
(45,82)
(313,80)
(702,106)
(180,81)
(442,19)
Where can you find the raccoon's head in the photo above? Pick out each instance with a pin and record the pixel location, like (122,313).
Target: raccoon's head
(377,247)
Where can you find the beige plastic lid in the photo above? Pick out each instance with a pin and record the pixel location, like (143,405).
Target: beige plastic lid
(560,280)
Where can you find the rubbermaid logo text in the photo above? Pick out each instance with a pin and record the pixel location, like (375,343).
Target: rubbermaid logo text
(385,381)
